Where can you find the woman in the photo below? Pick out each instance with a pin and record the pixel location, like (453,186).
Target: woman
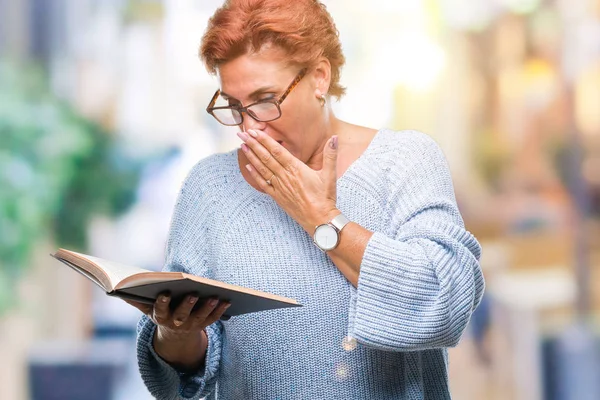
(359,225)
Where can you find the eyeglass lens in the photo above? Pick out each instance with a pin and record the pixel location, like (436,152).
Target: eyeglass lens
(264,112)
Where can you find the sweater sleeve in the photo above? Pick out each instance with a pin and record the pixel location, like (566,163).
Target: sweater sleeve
(419,281)
(193,208)
(163,381)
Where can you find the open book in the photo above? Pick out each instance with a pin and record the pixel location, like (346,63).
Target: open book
(144,286)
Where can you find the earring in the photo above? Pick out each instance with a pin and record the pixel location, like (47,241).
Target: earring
(323,100)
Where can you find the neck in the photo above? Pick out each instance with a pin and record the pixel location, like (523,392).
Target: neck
(331,126)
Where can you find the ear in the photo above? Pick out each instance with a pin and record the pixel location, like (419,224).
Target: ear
(322,76)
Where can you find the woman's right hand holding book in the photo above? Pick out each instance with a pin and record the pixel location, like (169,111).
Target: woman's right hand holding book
(180,338)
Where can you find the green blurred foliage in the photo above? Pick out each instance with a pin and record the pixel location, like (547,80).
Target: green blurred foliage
(57,170)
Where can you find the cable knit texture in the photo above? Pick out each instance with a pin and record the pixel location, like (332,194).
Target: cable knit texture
(419,282)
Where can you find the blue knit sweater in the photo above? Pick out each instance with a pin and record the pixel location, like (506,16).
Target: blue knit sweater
(419,282)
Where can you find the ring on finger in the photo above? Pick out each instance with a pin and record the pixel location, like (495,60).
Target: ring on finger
(270,180)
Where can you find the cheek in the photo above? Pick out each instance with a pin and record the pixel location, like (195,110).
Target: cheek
(284,129)
(298,128)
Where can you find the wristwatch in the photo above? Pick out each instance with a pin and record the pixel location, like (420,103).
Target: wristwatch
(327,236)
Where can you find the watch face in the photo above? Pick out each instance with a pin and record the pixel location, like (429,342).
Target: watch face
(326,237)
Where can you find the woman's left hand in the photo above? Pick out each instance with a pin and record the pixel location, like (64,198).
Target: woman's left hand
(306,195)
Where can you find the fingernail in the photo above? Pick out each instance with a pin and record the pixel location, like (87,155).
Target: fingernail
(248,167)
(227,306)
(178,322)
(245,148)
(334,142)
(193,299)
(243,136)
(213,302)
(253,133)
(164,299)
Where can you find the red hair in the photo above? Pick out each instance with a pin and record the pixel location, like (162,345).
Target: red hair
(304,29)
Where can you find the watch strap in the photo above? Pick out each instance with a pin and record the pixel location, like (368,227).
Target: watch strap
(340,221)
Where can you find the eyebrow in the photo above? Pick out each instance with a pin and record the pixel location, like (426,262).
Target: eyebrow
(258,91)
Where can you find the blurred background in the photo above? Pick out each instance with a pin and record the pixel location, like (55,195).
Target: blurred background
(102,116)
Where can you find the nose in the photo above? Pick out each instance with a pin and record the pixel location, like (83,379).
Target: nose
(251,123)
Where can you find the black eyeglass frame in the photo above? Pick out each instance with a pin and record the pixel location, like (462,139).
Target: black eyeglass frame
(244,110)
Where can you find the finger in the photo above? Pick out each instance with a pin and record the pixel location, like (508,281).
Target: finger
(259,164)
(161,308)
(143,307)
(262,183)
(279,154)
(199,316)
(330,159)
(271,154)
(182,313)
(217,313)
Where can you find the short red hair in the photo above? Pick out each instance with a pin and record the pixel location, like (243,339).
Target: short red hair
(304,29)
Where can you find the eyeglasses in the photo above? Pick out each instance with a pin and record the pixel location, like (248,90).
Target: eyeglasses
(262,111)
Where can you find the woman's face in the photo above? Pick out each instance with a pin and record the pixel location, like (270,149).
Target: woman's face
(301,129)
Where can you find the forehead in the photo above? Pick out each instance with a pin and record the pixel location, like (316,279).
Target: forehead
(248,72)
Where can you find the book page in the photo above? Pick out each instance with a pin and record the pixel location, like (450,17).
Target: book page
(83,272)
(148,278)
(115,271)
(110,273)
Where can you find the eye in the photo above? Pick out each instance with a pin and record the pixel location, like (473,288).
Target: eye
(265,96)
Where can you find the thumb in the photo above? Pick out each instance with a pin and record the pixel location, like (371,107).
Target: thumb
(144,308)
(330,158)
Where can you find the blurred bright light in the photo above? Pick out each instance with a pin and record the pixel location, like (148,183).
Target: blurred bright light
(184,26)
(522,6)
(342,371)
(468,14)
(414,60)
(349,343)
(380,7)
